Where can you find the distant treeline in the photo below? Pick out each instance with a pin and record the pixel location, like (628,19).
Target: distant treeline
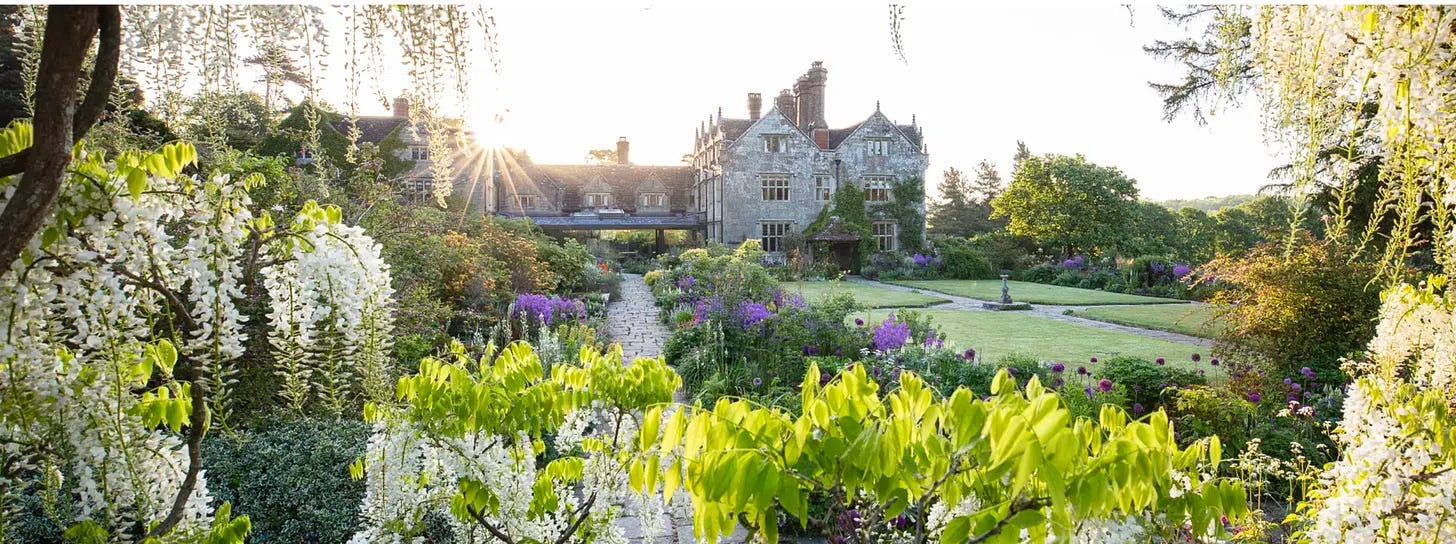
(1207,203)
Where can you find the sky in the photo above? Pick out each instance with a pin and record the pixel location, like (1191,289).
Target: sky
(1064,78)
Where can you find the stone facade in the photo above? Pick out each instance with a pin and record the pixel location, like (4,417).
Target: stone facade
(756,177)
(472,182)
(524,188)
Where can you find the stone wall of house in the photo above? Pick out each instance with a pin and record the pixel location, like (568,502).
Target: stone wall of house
(743,205)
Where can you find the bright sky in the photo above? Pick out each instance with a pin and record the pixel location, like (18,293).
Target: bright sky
(1063,78)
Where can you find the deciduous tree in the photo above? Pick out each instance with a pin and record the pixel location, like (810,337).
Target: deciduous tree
(1068,203)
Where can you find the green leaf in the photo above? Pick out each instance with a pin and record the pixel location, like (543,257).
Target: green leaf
(136,182)
(1215,450)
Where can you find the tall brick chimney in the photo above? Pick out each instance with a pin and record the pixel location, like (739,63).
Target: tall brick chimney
(802,103)
(814,90)
(401,107)
(622,146)
(786,106)
(755,104)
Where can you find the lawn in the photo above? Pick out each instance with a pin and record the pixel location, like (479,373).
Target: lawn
(1191,319)
(1035,293)
(870,296)
(994,334)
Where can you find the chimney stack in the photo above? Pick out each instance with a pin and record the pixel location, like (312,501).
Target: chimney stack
(785,104)
(401,107)
(802,102)
(755,104)
(622,146)
(814,90)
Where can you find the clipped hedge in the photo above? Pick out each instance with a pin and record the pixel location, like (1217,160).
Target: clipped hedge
(291,478)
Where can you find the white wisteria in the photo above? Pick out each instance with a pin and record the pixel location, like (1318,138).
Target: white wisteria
(1323,66)
(121,327)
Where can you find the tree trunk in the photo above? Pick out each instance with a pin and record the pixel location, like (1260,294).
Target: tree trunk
(58,121)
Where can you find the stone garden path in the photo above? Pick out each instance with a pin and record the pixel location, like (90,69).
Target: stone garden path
(632,321)
(1049,311)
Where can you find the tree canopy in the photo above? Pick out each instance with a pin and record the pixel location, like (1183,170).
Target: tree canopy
(1068,203)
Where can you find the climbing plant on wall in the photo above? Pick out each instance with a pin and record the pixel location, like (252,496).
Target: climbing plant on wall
(849,205)
(905,207)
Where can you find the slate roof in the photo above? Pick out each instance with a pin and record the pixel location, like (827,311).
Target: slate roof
(733,128)
(372,128)
(564,185)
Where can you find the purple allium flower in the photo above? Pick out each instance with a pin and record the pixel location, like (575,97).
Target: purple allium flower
(969,354)
(1093,360)
(1295,386)
(824,378)
(1197,357)
(757,382)
(1288,381)
(1011,371)
(752,313)
(1137,388)
(1160,360)
(902,521)
(1137,408)
(1088,391)
(891,334)
(1254,397)
(1057,382)
(875,371)
(858,322)
(1104,385)
(929,341)
(1213,361)
(1058,367)
(687,282)
(1307,372)
(1082,370)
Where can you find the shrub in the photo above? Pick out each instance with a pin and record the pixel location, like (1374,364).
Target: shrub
(1309,308)
(963,260)
(1147,382)
(291,478)
(1005,251)
(1042,273)
(1068,278)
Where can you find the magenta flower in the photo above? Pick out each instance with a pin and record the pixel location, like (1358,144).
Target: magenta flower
(1159,360)
(1104,385)
(858,322)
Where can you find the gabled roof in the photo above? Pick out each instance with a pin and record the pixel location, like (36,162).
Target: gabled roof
(372,128)
(835,231)
(839,135)
(571,181)
(733,128)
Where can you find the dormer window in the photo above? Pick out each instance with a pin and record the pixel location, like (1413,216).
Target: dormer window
(654,200)
(598,200)
(419,153)
(775,143)
(526,202)
(879,147)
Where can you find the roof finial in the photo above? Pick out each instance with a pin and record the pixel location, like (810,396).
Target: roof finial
(912,119)
(877,106)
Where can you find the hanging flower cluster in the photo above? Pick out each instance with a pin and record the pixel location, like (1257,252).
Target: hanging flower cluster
(120,330)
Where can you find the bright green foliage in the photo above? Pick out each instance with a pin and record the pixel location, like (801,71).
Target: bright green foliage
(960,468)
(1069,203)
(513,402)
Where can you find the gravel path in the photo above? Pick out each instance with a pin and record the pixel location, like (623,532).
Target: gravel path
(1049,311)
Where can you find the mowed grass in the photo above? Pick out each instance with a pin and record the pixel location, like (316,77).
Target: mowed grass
(870,296)
(1195,319)
(1035,293)
(995,334)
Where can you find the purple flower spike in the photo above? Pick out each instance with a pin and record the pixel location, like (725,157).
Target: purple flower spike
(1104,385)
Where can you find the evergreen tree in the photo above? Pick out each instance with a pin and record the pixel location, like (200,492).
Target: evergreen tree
(987,185)
(1022,153)
(954,213)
